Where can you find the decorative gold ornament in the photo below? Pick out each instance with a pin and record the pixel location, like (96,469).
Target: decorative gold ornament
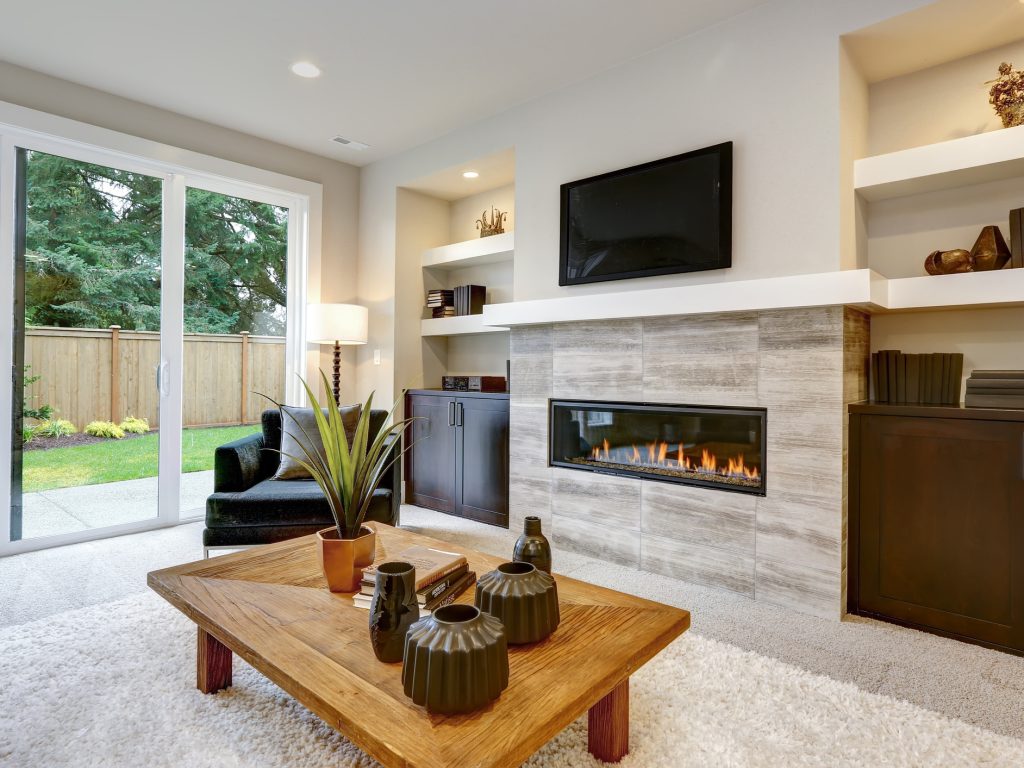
(949,262)
(493,226)
(1007,95)
(990,250)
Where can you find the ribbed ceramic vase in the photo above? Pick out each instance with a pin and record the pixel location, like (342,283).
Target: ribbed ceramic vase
(532,546)
(393,609)
(455,660)
(523,598)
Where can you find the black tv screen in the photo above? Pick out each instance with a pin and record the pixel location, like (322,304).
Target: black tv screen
(660,218)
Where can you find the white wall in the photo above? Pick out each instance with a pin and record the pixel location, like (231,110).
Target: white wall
(466,211)
(945,102)
(767,80)
(331,280)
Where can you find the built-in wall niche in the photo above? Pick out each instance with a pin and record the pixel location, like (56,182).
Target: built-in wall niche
(902,231)
(450,252)
(931,166)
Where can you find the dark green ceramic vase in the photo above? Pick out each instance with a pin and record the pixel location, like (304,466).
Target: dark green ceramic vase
(455,660)
(532,546)
(393,609)
(525,599)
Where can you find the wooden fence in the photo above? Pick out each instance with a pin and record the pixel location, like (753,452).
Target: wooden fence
(89,374)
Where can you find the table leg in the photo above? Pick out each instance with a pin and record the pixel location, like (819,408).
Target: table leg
(213,663)
(608,725)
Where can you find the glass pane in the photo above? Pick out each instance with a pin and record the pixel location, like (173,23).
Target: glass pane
(88,326)
(235,313)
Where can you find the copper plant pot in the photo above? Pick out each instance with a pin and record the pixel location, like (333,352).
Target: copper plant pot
(343,560)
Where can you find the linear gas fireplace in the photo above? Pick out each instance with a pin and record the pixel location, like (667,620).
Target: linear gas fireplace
(708,446)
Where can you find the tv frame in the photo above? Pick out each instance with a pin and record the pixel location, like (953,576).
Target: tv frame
(724,153)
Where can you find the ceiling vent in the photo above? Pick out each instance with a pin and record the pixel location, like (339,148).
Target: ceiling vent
(356,145)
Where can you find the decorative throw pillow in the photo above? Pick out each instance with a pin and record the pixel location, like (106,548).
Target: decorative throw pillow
(298,428)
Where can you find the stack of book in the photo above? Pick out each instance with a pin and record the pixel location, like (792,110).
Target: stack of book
(469,299)
(441,302)
(995,389)
(929,379)
(440,578)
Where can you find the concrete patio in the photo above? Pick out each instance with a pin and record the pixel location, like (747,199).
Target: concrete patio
(85,507)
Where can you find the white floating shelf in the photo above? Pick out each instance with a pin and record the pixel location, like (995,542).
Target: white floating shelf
(483,250)
(956,163)
(1004,287)
(860,287)
(463,325)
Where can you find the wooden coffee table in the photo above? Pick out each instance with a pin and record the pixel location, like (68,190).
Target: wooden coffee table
(271,606)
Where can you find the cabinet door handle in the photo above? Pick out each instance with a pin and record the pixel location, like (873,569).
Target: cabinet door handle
(451,413)
(458,414)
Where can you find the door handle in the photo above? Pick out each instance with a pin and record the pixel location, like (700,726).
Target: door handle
(451,413)
(458,414)
(163,379)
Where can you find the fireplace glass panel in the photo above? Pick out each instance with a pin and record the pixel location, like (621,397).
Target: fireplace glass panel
(708,446)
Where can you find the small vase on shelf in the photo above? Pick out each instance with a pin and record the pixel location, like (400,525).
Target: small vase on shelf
(532,547)
(393,609)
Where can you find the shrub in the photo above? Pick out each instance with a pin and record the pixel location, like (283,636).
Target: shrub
(55,428)
(43,412)
(27,433)
(104,429)
(135,426)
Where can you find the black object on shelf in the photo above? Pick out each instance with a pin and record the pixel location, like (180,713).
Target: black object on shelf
(473,384)
(929,379)
(469,299)
(1017,238)
(995,389)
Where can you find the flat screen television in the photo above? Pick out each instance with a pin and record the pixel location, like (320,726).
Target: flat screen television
(660,218)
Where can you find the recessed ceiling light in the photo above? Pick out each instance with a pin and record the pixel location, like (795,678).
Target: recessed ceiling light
(306,69)
(474,174)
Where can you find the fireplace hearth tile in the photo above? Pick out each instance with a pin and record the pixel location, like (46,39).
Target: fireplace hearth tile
(699,564)
(701,516)
(598,360)
(528,435)
(588,496)
(807,530)
(616,545)
(791,584)
(529,494)
(703,360)
(531,358)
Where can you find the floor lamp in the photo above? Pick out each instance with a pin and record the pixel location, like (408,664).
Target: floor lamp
(336,324)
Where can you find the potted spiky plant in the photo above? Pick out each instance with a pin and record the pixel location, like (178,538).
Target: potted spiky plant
(348,474)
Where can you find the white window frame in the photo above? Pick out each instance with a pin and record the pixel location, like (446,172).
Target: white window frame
(179,169)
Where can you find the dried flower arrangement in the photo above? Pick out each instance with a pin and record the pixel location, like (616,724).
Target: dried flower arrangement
(1007,95)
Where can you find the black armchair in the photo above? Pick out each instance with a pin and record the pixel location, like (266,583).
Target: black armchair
(248,507)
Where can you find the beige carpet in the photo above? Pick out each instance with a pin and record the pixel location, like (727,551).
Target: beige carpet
(113,685)
(955,679)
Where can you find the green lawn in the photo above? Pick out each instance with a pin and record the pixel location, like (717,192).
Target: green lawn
(114,460)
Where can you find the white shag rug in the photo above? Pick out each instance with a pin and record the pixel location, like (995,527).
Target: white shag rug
(114,685)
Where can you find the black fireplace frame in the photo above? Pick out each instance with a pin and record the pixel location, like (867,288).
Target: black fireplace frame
(724,410)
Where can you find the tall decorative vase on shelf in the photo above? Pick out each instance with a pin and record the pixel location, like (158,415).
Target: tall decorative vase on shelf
(393,609)
(533,547)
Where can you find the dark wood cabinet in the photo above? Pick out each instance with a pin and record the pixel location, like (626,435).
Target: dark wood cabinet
(937,520)
(458,462)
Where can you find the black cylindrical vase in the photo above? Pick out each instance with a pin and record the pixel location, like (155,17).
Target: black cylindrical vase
(393,609)
(532,547)
(525,599)
(456,660)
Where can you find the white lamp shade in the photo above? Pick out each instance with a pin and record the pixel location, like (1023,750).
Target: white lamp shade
(342,323)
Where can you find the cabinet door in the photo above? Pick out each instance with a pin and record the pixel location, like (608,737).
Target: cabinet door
(942,525)
(482,463)
(430,462)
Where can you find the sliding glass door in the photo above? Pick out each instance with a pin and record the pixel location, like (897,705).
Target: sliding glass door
(152,309)
(87,347)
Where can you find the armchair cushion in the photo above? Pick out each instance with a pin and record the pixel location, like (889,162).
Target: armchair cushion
(300,433)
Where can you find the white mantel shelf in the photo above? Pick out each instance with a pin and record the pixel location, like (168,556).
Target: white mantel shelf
(959,162)
(861,288)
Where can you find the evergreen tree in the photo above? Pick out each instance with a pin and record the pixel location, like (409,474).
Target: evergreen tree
(93,253)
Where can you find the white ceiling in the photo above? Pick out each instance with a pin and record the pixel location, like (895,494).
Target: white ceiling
(395,74)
